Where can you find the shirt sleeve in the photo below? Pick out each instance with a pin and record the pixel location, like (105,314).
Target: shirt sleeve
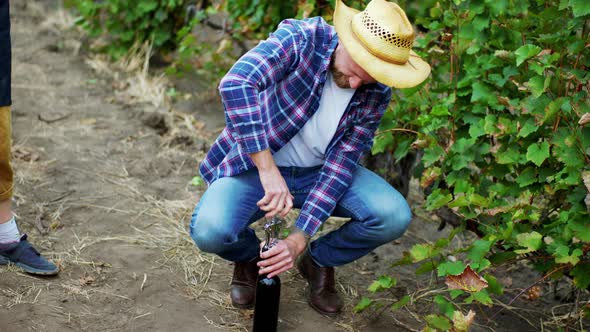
(341,162)
(262,66)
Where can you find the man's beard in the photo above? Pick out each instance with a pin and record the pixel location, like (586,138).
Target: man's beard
(340,79)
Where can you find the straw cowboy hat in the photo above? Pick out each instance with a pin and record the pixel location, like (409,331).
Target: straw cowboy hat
(379,39)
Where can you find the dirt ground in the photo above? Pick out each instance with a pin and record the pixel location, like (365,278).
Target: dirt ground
(104,189)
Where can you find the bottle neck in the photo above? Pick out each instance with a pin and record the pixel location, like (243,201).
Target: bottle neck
(265,276)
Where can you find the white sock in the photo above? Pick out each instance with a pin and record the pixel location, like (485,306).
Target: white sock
(9,232)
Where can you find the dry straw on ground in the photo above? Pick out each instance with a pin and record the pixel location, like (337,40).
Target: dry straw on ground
(132,80)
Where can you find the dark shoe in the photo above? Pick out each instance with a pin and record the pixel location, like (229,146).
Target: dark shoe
(322,294)
(243,284)
(23,255)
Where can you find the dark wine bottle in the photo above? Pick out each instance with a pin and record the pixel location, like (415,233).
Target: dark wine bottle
(268,290)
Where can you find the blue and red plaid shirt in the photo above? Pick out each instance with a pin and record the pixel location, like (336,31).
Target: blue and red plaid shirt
(271,92)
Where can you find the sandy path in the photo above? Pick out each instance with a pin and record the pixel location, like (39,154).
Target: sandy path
(98,180)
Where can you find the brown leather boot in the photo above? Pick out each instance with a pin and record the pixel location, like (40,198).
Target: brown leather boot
(243,284)
(322,294)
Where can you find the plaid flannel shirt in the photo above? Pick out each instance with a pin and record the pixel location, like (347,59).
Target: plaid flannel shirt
(268,96)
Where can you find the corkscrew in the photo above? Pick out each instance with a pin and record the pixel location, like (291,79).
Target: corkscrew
(272,229)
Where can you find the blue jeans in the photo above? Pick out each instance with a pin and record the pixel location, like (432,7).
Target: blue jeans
(378,212)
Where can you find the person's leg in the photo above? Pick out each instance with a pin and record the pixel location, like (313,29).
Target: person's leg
(6,184)
(378,212)
(5,169)
(5,122)
(220,221)
(220,225)
(14,248)
(378,215)
(9,232)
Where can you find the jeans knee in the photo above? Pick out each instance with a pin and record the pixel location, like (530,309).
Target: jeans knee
(393,225)
(208,238)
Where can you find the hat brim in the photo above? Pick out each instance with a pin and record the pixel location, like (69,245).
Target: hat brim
(407,75)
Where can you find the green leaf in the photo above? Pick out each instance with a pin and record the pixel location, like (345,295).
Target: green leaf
(491,124)
(381,142)
(581,274)
(478,200)
(426,267)
(363,304)
(580,7)
(432,155)
(197,181)
(526,52)
(564,149)
(562,255)
(435,12)
(440,110)
(552,109)
(537,153)
(438,322)
(477,129)
(401,303)
(402,149)
(444,306)
(147,6)
(161,15)
(527,177)
(481,92)
(127,35)
(537,86)
(481,22)
(460,201)
(507,233)
(384,282)
(509,156)
(450,268)
(531,241)
(455,293)
(528,128)
(581,229)
(483,297)
(160,37)
(405,260)
(484,264)
(478,251)
(494,286)
(441,243)
(421,252)
(437,199)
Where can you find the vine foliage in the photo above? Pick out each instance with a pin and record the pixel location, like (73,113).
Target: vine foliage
(129,22)
(503,126)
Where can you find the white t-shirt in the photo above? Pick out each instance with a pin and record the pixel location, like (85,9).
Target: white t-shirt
(308,147)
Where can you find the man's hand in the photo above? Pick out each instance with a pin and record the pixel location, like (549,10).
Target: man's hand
(282,256)
(277,198)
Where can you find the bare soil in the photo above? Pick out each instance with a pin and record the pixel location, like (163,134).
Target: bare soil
(103,189)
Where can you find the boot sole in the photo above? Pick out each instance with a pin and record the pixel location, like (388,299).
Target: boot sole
(30,269)
(243,306)
(325,313)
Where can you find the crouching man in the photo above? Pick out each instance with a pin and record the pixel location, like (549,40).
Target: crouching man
(301,108)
